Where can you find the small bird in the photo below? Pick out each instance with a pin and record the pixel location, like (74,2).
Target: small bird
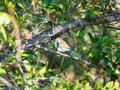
(63,47)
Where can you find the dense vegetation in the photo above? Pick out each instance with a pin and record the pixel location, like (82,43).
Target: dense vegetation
(30,62)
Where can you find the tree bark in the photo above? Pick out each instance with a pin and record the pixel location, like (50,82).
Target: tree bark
(60,29)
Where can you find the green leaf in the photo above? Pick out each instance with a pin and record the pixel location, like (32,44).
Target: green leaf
(10,4)
(4,19)
(91,37)
(109,85)
(20,5)
(76,85)
(81,33)
(95,13)
(33,1)
(117,71)
(55,81)
(2,71)
(88,12)
(46,2)
(27,65)
(28,76)
(103,39)
(98,85)
(61,6)
(117,53)
(116,42)
(109,70)
(3,32)
(113,32)
(87,86)
(43,70)
(89,74)
(62,84)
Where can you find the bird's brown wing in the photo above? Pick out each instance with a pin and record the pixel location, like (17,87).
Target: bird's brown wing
(64,44)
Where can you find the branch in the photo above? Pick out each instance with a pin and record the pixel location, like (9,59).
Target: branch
(15,32)
(65,55)
(114,27)
(8,84)
(53,32)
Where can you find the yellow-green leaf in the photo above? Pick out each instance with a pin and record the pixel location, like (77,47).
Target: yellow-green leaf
(4,18)
(43,70)
(2,71)
(20,5)
(84,48)
(2,30)
(27,65)
(109,85)
(33,1)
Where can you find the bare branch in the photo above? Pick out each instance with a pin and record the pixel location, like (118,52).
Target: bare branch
(114,27)
(8,84)
(53,32)
(66,55)
(50,33)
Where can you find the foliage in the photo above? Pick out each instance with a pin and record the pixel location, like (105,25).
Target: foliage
(40,70)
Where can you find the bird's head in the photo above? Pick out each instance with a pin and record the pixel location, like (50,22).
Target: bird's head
(58,40)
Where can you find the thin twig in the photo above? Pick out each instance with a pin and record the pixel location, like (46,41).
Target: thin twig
(66,55)
(8,84)
(117,28)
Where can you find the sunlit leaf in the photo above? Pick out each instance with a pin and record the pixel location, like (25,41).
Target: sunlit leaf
(2,30)
(4,18)
(91,37)
(113,33)
(2,71)
(20,4)
(85,48)
(109,85)
(76,85)
(29,82)
(117,85)
(61,6)
(43,70)
(86,86)
(33,1)
(11,5)
(28,75)
(89,74)
(62,84)
(27,65)
(116,42)
(56,80)
(98,85)
(117,71)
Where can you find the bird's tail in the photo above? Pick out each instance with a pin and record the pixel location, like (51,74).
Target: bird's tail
(73,53)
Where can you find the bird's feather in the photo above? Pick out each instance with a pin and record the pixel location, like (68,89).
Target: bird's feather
(62,46)
(62,43)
